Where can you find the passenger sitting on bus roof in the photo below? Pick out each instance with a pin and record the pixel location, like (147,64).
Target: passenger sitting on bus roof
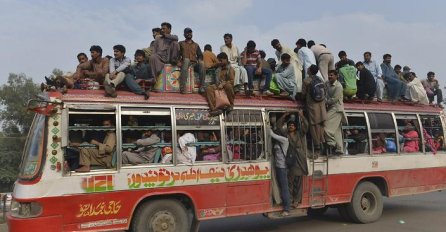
(165,50)
(73,81)
(252,61)
(410,138)
(343,57)
(137,73)
(294,61)
(96,68)
(415,89)
(145,153)
(148,51)
(209,58)
(396,89)
(366,83)
(359,144)
(280,148)
(348,78)
(225,80)
(100,155)
(186,154)
(335,114)
(285,77)
(265,65)
(316,110)
(433,88)
(231,50)
(296,131)
(376,71)
(212,153)
(119,66)
(191,56)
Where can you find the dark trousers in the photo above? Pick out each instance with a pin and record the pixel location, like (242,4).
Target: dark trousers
(282,180)
(438,93)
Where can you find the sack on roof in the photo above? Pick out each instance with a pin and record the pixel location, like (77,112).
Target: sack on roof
(317,89)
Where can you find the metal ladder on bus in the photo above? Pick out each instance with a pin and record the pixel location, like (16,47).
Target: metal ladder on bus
(319,182)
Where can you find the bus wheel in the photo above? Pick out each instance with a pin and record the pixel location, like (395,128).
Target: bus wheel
(161,216)
(317,212)
(342,210)
(367,203)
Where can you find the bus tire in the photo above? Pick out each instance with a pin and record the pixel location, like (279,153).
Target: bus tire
(161,215)
(367,203)
(342,210)
(317,212)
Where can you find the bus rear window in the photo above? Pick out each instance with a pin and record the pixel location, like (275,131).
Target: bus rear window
(32,154)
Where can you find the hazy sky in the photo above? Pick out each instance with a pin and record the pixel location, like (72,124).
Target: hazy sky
(39,35)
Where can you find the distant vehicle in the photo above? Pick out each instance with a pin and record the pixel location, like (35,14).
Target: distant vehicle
(171,195)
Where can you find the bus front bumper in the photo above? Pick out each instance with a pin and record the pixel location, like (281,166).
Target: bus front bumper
(36,224)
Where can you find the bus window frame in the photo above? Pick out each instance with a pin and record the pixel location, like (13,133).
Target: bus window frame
(442,118)
(357,113)
(176,127)
(262,124)
(125,110)
(420,133)
(94,109)
(394,130)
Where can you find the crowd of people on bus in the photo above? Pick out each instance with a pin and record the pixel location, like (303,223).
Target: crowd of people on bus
(365,80)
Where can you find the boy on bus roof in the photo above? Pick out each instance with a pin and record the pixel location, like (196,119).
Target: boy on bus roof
(119,66)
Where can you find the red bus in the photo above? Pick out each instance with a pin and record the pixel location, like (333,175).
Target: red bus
(166,194)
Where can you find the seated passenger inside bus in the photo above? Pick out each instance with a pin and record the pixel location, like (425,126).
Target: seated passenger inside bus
(211,153)
(359,144)
(145,152)
(167,151)
(101,153)
(186,154)
(410,139)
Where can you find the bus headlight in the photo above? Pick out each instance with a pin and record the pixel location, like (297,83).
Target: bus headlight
(25,209)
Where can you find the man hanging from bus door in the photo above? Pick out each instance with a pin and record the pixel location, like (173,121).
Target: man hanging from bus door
(280,148)
(100,155)
(296,132)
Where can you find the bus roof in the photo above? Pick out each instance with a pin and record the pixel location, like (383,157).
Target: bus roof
(157,98)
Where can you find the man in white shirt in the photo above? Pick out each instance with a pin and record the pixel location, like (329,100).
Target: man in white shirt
(241,76)
(119,65)
(306,56)
(377,73)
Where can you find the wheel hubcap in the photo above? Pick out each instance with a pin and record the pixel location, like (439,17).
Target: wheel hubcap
(163,222)
(368,202)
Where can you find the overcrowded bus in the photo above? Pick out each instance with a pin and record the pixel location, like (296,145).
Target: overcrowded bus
(236,178)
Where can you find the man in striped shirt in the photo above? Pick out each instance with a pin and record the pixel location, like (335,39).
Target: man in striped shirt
(252,61)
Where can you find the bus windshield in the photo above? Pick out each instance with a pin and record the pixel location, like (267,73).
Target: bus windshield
(32,154)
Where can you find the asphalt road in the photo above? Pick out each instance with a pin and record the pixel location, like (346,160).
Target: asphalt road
(420,213)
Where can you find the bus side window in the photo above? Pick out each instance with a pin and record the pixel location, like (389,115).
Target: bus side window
(146,136)
(383,133)
(409,135)
(433,133)
(84,127)
(199,136)
(356,135)
(245,135)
